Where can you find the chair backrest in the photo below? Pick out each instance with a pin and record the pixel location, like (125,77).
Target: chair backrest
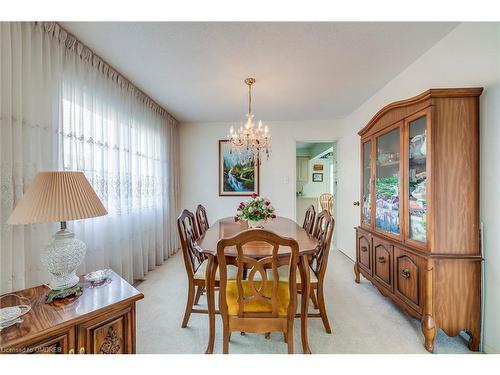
(309,219)
(323,232)
(260,238)
(326,202)
(188,234)
(201,218)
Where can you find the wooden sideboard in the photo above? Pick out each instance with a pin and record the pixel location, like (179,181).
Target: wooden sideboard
(418,240)
(100,321)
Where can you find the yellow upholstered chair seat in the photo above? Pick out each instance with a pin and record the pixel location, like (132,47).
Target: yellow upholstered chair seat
(257,305)
(200,273)
(283,275)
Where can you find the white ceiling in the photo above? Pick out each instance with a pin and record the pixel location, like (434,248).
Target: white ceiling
(304,71)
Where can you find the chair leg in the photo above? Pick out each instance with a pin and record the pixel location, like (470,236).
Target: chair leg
(199,292)
(226,336)
(313,298)
(289,336)
(189,305)
(284,337)
(322,309)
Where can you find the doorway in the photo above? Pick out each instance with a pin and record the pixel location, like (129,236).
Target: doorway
(316,173)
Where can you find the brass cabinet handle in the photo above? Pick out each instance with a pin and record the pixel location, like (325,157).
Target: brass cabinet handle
(405,273)
(82,350)
(364,249)
(71,351)
(381,259)
(355,203)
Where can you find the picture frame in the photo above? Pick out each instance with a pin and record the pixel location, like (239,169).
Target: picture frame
(317,177)
(318,167)
(235,179)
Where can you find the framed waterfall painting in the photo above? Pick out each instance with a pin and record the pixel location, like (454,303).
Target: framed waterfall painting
(237,178)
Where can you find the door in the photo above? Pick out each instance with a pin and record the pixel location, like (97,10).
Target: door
(348,192)
(107,335)
(417,181)
(387,183)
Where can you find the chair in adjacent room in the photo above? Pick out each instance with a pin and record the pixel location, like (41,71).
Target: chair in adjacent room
(308,224)
(263,301)
(326,202)
(201,218)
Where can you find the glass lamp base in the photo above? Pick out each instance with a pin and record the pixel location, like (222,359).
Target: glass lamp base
(62,257)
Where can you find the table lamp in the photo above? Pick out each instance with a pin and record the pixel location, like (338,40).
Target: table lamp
(59,196)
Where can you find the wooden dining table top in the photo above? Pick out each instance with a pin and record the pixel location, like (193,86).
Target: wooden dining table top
(282,226)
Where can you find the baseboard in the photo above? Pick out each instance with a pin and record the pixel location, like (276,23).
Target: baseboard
(490,349)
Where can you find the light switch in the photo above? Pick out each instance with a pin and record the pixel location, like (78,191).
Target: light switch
(286,180)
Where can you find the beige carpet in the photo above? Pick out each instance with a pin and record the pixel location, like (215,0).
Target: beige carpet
(362,320)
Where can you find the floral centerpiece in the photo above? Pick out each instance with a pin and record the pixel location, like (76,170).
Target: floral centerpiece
(255,211)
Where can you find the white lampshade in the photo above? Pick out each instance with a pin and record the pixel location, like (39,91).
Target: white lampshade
(57,196)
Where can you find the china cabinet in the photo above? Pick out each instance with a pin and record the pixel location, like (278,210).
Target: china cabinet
(418,240)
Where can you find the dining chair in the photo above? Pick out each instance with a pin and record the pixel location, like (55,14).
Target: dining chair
(323,232)
(194,261)
(308,224)
(257,303)
(201,218)
(326,202)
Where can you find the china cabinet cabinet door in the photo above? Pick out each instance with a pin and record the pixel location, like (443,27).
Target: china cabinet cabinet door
(417,168)
(366,192)
(387,184)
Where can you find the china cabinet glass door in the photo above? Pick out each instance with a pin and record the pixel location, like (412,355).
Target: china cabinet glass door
(367,178)
(417,180)
(387,190)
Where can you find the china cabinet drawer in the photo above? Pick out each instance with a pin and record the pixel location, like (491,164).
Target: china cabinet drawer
(383,262)
(364,250)
(408,270)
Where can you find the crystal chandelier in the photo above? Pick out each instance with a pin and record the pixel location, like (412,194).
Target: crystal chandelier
(250,142)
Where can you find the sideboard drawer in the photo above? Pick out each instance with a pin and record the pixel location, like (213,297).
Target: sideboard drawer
(408,269)
(364,250)
(383,261)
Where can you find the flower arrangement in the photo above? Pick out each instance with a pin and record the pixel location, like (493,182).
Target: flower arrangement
(255,210)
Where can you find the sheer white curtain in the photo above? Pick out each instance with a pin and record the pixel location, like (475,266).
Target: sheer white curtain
(96,122)
(30,63)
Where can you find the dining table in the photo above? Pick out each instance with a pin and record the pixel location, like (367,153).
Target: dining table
(228,227)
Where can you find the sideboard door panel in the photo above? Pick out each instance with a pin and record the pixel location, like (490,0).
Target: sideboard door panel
(62,343)
(109,336)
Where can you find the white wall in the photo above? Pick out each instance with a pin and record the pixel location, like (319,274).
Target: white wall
(199,164)
(468,56)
